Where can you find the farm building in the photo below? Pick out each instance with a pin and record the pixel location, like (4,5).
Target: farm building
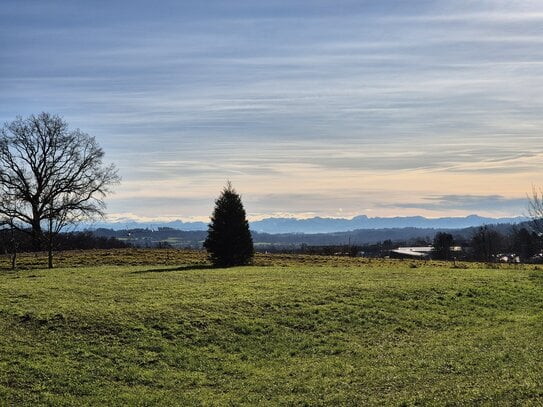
(411,252)
(419,252)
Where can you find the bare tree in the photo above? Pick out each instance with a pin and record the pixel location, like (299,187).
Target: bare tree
(535,209)
(442,245)
(51,176)
(486,243)
(10,243)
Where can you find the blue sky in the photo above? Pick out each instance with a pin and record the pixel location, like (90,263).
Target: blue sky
(328,108)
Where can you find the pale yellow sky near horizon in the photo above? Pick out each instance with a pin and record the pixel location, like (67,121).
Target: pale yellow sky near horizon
(350,193)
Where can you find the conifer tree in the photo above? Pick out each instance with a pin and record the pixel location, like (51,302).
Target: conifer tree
(229,242)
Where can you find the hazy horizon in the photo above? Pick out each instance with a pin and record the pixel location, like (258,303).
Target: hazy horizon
(130,219)
(310,108)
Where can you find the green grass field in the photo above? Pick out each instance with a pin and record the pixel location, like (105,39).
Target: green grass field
(161,328)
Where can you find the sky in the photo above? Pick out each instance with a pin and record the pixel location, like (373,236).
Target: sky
(310,108)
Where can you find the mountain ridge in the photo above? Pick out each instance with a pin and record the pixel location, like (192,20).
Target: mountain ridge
(325,224)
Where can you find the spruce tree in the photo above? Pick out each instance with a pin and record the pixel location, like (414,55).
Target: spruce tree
(229,242)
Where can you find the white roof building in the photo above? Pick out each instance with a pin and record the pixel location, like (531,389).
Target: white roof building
(415,252)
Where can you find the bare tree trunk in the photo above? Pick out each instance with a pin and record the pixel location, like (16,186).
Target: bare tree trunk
(50,257)
(14,247)
(37,237)
(50,243)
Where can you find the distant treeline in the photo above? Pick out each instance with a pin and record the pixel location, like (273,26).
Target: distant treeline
(18,241)
(488,243)
(266,241)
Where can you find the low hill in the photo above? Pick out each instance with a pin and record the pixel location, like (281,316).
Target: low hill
(193,239)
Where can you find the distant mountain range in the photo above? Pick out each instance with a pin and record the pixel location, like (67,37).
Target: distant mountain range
(326,225)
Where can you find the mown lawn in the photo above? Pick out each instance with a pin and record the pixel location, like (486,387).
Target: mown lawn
(289,331)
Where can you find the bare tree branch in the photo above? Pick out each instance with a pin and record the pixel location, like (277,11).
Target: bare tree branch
(51,176)
(535,209)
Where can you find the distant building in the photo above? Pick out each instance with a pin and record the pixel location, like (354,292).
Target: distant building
(411,252)
(423,252)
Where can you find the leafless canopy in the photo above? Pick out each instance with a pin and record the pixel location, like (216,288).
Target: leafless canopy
(51,176)
(535,209)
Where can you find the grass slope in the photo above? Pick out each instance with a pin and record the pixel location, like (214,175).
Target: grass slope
(291,331)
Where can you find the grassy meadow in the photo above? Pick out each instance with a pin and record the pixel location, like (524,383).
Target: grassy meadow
(160,327)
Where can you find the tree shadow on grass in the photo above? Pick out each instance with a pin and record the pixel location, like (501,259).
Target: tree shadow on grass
(188,267)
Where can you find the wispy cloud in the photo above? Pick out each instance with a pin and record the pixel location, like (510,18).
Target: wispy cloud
(493,203)
(312,98)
